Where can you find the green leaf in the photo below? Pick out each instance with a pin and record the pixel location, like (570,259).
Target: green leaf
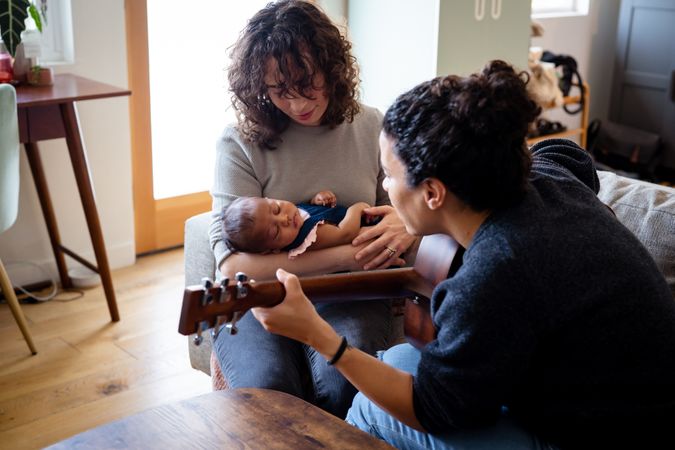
(35,14)
(13,13)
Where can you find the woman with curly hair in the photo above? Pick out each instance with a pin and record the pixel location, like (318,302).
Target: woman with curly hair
(558,329)
(300,130)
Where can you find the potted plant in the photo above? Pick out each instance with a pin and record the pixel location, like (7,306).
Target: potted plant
(40,76)
(13,14)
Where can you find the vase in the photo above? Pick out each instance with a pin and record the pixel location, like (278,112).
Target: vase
(21,64)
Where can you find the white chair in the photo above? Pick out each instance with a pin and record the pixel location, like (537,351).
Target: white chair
(9,193)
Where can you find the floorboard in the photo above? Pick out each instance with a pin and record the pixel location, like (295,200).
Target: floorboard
(90,371)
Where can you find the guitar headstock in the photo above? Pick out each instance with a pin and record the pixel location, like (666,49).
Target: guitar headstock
(211,305)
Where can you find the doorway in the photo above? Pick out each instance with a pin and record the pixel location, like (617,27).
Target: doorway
(179,106)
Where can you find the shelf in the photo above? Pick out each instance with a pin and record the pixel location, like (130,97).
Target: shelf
(583,126)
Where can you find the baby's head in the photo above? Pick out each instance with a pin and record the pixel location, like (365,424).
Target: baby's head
(260,225)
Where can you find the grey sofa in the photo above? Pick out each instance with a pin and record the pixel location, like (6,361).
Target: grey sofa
(647,209)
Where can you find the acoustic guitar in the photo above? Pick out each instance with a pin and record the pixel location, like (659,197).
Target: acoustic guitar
(214,305)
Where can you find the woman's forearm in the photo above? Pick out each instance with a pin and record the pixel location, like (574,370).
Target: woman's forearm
(390,388)
(296,318)
(264,267)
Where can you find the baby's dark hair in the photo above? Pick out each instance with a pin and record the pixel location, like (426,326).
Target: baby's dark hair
(303,40)
(469,132)
(238,226)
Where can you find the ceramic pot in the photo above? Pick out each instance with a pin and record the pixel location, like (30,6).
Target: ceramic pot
(21,64)
(40,76)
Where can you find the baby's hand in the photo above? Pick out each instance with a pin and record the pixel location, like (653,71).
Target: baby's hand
(358,209)
(325,198)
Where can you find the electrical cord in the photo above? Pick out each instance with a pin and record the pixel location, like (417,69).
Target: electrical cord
(32,298)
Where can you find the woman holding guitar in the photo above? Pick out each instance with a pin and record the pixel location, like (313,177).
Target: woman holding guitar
(301,130)
(558,330)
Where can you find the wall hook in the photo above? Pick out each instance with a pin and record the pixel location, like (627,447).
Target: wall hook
(496,9)
(479,11)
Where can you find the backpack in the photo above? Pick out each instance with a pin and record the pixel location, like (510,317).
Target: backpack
(624,148)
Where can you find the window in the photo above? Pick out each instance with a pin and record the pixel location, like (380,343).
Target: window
(57,34)
(188,88)
(559,8)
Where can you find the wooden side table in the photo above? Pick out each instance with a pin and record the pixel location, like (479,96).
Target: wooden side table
(235,418)
(48,112)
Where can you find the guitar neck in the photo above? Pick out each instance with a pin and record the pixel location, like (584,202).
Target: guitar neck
(347,287)
(225,300)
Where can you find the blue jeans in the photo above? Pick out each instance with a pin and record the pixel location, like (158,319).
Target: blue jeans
(256,358)
(367,416)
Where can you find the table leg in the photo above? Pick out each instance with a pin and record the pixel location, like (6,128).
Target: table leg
(35,162)
(78,159)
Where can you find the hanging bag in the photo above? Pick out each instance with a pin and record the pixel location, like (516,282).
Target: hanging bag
(570,77)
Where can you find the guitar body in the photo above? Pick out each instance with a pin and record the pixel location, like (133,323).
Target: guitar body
(438,257)
(441,257)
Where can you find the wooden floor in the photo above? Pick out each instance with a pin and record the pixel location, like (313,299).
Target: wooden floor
(89,371)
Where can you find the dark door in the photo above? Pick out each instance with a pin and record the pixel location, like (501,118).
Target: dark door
(643,93)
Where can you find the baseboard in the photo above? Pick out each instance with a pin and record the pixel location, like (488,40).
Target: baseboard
(33,287)
(24,273)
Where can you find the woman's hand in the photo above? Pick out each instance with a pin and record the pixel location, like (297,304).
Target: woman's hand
(389,240)
(295,317)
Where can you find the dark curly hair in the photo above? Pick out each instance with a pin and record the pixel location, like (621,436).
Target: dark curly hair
(238,226)
(469,132)
(303,41)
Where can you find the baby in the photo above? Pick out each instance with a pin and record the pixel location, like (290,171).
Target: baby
(265,225)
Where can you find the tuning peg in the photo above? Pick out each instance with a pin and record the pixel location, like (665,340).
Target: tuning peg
(198,337)
(207,284)
(241,276)
(223,289)
(242,291)
(231,327)
(215,331)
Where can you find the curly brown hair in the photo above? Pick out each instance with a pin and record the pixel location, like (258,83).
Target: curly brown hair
(469,132)
(303,41)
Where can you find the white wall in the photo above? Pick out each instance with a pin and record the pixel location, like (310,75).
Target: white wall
(100,54)
(395,43)
(591,40)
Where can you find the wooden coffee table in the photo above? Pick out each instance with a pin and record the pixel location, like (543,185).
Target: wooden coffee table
(236,418)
